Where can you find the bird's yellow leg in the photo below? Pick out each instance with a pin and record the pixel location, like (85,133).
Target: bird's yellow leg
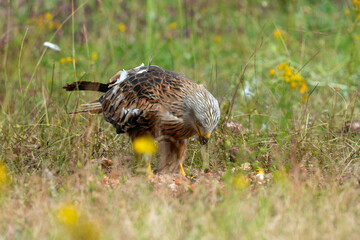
(181,170)
(149,173)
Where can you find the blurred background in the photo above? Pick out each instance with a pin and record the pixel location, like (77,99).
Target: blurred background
(286,74)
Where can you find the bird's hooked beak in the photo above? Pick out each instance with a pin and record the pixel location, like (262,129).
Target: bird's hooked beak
(204,138)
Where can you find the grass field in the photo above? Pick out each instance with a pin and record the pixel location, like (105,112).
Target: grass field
(286,74)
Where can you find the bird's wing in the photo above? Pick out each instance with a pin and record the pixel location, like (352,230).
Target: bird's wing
(145,99)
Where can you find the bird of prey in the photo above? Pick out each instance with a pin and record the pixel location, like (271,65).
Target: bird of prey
(148,100)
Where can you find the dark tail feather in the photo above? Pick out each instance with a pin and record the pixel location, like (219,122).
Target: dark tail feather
(87,86)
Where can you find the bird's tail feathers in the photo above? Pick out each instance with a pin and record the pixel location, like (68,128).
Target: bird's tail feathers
(87,86)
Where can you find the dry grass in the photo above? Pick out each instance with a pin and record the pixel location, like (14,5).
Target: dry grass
(133,209)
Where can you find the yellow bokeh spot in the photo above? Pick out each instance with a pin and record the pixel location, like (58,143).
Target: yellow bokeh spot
(94,55)
(217,39)
(172,25)
(69,59)
(122,27)
(84,229)
(67,214)
(4,178)
(278,33)
(144,145)
(240,182)
(62,60)
(48,16)
(272,72)
(280,177)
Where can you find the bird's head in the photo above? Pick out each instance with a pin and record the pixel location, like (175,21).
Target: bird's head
(204,113)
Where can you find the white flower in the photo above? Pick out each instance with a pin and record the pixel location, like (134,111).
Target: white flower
(52,46)
(248,91)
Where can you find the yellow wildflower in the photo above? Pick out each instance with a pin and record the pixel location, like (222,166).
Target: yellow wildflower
(144,145)
(122,27)
(282,66)
(259,170)
(293,85)
(297,77)
(94,55)
(289,72)
(48,16)
(272,72)
(217,39)
(67,214)
(295,80)
(260,174)
(289,68)
(278,33)
(62,60)
(69,59)
(172,25)
(303,88)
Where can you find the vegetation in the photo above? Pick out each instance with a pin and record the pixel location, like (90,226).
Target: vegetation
(283,162)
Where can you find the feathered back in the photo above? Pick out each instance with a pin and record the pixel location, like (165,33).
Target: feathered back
(151,99)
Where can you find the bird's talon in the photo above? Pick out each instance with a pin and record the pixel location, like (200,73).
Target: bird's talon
(181,170)
(149,173)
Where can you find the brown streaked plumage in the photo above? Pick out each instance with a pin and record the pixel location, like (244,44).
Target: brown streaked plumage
(164,104)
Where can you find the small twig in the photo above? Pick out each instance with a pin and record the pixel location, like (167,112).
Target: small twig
(353,100)
(52,81)
(308,61)
(293,160)
(19,69)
